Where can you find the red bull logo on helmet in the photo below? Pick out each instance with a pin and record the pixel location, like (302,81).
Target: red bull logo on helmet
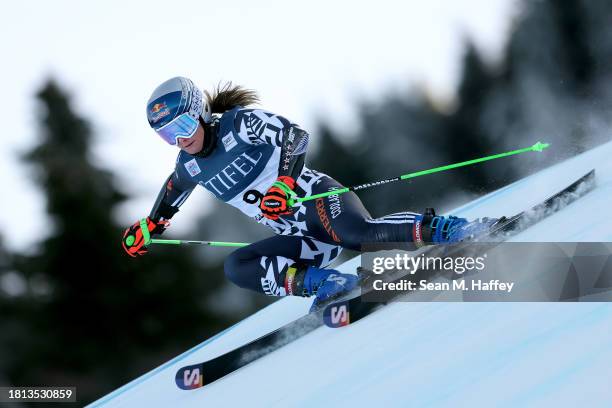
(157,107)
(158,111)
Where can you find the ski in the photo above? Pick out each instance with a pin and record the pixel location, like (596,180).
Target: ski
(202,374)
(344,312)
(199,375)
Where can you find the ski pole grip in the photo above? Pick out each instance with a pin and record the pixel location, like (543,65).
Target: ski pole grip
(145,231)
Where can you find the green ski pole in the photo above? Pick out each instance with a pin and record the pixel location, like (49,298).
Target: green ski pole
(190,242)
(538,147)
(148,240)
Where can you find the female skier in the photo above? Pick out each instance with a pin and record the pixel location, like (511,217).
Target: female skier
(254,160)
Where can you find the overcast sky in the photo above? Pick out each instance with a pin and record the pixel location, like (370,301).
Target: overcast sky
(308,60)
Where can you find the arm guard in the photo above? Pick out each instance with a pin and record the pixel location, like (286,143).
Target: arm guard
(293,151)
(171,196)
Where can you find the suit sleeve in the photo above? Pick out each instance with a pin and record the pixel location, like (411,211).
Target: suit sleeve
(172,195)
(256,126)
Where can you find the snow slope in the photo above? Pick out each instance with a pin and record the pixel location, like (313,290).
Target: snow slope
(429,354)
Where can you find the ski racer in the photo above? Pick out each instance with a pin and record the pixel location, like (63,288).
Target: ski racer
(254,160)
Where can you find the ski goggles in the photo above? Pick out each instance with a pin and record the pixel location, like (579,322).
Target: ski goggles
(183,126)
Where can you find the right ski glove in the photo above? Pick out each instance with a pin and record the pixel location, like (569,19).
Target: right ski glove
(133,241)
(274,202)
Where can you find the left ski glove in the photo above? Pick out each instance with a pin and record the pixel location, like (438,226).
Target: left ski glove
(133,241)
(274,202)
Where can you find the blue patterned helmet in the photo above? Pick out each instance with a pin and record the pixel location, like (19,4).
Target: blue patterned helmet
(174,109)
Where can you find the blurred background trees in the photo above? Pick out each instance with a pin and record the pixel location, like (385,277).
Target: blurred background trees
(77,311)
(88,314)
(553,84)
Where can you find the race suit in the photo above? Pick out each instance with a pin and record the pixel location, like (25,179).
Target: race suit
(253,148)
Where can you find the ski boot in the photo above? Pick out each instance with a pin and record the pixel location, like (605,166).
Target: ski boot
(324,284)
(430,228)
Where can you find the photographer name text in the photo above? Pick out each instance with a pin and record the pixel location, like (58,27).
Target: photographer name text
(494,285)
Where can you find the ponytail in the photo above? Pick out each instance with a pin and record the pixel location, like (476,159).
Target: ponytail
(227,96)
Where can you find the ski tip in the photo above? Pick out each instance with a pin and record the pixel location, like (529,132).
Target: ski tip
(337,314)
(190,377)
(539,146)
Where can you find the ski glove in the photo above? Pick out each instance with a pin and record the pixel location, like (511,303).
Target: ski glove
(133,241)
(274,202)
